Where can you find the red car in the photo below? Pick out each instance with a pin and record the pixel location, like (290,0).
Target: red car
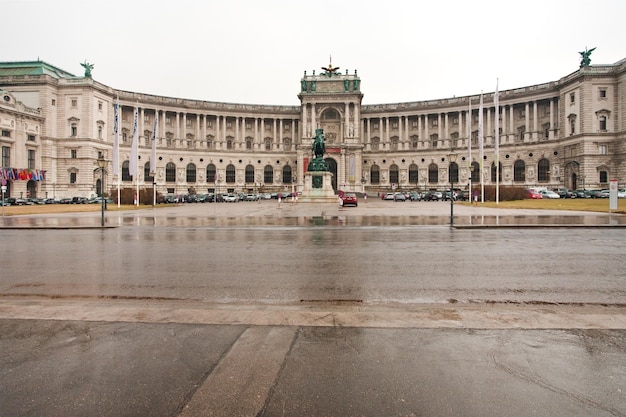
(534,195)
(349,199)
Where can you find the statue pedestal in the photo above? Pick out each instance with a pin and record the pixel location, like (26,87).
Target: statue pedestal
(326,194)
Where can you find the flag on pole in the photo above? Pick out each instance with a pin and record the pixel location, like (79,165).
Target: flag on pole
(132,164)
(154,137)
(116,139)
(496,142)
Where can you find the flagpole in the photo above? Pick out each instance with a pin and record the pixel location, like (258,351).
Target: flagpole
(480,148)
(469,147)
(153,156)
(133,166)
(497,142)
(116,147)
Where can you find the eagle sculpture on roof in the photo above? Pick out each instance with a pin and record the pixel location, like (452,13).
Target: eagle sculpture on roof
(330,70)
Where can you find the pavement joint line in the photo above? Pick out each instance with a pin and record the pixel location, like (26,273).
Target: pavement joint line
(461,316)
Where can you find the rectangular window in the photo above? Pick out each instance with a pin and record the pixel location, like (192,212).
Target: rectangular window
(602,149)
(168,120)
(31,138)
(73,153)
(229,125)
(602,93)
(72,178)
(248,126)
(146,118)
(99,106)
(209,124)
(394,125)
(435,123)
(74,103)
(6,156)
(6,133)
(189,123)
(31,159)
(602,121)
(54,102)
(572,98)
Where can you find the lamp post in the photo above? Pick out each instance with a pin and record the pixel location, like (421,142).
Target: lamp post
(102,163)
(471,170)
(452,160)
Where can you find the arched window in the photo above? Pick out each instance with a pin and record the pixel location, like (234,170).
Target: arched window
(146,173)
(375,174)
(229,144)
(248,143)
(191,172)
(287,174)
(268,144)
(230,174)
(170,172)
(543,170)
(519,171)
(453,172)
(249,174)
(433,173)
(493,172)
(125,171)
(475,171)
(413,174)
(393,174)
(210,173)
(268,174)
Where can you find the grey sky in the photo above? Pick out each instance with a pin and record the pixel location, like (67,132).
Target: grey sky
(253,51)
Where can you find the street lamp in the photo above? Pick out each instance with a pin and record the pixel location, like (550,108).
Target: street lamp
(102,163)
(471,195)
(452,160)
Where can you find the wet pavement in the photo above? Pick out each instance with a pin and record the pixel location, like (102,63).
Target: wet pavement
(312,310)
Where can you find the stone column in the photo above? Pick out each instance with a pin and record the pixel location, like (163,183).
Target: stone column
(527,121)
(177,139)
(535,121)
(551,132)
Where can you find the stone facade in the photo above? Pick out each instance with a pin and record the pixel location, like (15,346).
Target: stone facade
(565,133)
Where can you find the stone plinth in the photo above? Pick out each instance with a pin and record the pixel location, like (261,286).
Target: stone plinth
(326,194)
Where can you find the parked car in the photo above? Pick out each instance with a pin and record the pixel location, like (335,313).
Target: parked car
(581,194)
(434,196)
(252,197)
(532,194)
(399,197)
(549,194)
(98,200)
(565,193)
(349,199)
(596,194)
(388,196)
(621,193)
(231,198)
(415,196)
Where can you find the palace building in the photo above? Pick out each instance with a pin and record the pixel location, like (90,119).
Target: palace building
(55,126)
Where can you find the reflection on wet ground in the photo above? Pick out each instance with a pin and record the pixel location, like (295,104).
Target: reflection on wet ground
(312,221)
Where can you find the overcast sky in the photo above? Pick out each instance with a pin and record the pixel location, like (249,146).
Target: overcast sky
(256,51)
